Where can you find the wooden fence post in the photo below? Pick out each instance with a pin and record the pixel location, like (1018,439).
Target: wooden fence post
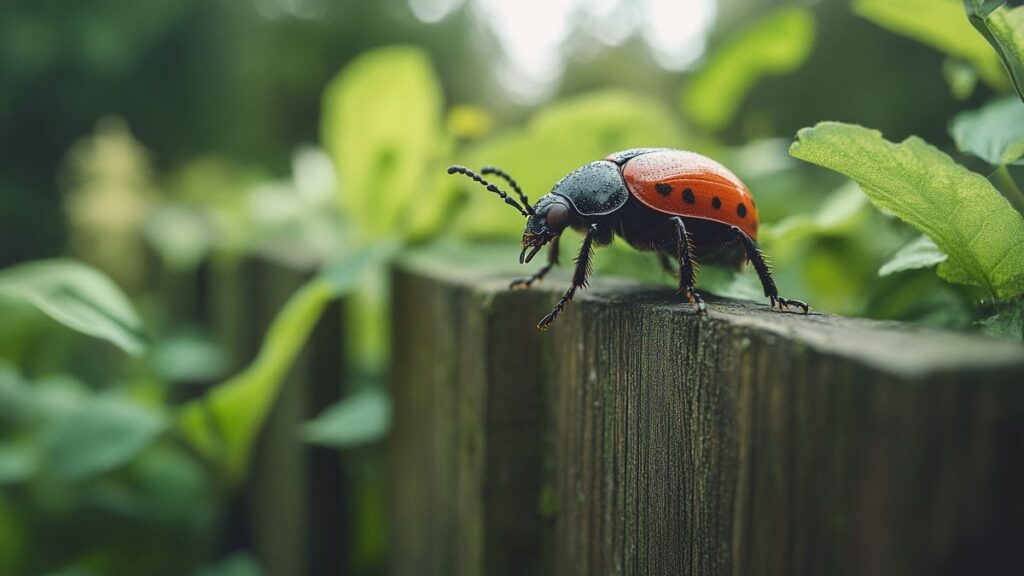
(636,438)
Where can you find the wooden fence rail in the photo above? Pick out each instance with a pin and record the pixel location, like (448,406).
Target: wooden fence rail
(636,438)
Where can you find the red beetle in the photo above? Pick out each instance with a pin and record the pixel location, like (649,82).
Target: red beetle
(683,205)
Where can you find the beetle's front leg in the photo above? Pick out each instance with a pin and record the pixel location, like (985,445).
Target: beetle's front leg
(579,277)
(524,283)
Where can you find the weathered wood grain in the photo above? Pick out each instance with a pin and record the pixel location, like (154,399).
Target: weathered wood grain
(637,438)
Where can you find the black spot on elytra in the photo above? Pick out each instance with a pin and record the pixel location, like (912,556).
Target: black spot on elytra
(716,202)
(663,189)
(741,210)
(688,196)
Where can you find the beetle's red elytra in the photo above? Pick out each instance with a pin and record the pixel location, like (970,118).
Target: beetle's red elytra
(691,185)
(683,205)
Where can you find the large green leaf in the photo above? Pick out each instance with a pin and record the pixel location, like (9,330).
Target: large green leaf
(560,138)
(99,435)
(222,425)
(1003,26)
(959,210)
(381,124)
(774,45)
(994,133)
(939,24)
(920,252)
(78,296)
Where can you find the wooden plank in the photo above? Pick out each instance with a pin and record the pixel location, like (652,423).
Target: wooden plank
(637,438)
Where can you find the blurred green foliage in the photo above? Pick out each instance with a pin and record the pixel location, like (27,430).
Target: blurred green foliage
(222,426)
(77,296)
(994,133)
(776,44)
(382,141)
(920,252)
(939,24)
(217,171)
(363,418)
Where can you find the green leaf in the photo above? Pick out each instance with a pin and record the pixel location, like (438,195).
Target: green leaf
(1003,27)
(920,252)
(222,426)
(774,45)
(78,296)
(381,123)
(558,139)
(994,133)
(99,435)
(961,211)
(361,418)
(939,24)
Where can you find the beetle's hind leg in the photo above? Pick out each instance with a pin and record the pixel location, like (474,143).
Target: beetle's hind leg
(524,283)
(756,258)
(687,277)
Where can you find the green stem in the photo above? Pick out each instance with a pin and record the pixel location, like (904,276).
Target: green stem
(1010,188)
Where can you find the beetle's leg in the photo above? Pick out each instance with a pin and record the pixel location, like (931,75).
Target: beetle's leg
(539,274)
(684,252)
(579,277)
(756,258)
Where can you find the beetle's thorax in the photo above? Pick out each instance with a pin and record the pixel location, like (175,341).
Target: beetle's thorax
(594,189)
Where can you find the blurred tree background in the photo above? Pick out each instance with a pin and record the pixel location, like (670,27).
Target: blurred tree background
(243,79)
(205,179)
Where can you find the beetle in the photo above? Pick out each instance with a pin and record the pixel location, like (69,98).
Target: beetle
(683,205)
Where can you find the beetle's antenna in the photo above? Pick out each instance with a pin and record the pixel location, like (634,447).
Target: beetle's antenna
(491,187)
(511,182)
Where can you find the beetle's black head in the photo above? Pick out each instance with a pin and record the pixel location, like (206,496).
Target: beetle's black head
(551,215)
